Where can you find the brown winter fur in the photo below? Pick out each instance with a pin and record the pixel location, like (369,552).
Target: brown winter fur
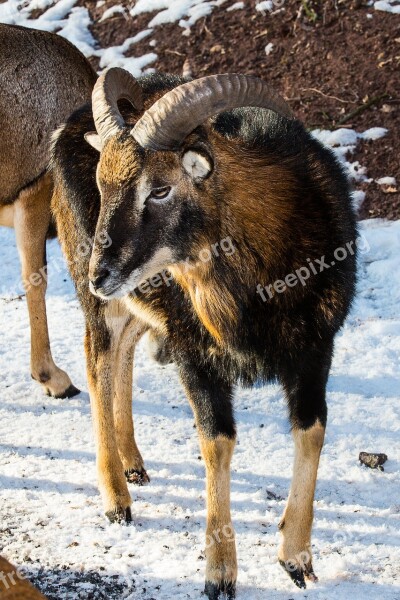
(54,79)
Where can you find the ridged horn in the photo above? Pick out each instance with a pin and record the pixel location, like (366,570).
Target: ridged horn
(167,123)
(113,85)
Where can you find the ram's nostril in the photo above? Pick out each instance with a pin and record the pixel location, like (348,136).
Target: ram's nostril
(100,278)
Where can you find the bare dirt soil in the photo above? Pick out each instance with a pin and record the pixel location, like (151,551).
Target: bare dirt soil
(337,62)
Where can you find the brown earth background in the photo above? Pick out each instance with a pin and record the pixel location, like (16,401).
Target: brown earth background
(337,65)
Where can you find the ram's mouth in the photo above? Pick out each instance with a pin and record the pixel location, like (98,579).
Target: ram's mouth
(118,289)
(105,293)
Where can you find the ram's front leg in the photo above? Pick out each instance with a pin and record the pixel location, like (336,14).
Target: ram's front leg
(221,570)
(296,524)
(100,368)
(210,398)
(306,397)
(130,455)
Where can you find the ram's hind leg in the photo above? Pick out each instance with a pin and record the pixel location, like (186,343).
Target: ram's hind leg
(131,458)
(210,398)
(31,222)
(306,397)
(158,347)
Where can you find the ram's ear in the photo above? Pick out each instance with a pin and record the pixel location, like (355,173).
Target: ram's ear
(198,165)
(94,140)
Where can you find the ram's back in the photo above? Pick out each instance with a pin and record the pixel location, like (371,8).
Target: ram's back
(43,79)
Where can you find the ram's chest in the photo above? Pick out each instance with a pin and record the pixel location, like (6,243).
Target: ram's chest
(147,312)
(186,313)
(207,314)
(213,305)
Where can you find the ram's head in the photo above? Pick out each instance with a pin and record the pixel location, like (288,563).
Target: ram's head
(159,181)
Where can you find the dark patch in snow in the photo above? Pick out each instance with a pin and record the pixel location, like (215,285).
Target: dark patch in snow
(63,584)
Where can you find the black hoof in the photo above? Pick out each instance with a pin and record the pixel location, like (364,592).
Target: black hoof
(70,392)
(137,477)
(297,575)
(128,515)
(120,515)
(216,591)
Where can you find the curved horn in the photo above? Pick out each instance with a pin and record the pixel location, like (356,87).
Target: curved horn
(113,85)
(180,111)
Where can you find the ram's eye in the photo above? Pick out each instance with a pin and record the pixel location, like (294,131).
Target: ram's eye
(160,193)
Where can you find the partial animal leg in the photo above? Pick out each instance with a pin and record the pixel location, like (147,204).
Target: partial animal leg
(158,347)
(14,584)
(101,347)
(31,222)
(211,399)
(131,458)
(308,412)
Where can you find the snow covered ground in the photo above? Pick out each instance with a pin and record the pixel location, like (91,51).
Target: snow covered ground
(51,511)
